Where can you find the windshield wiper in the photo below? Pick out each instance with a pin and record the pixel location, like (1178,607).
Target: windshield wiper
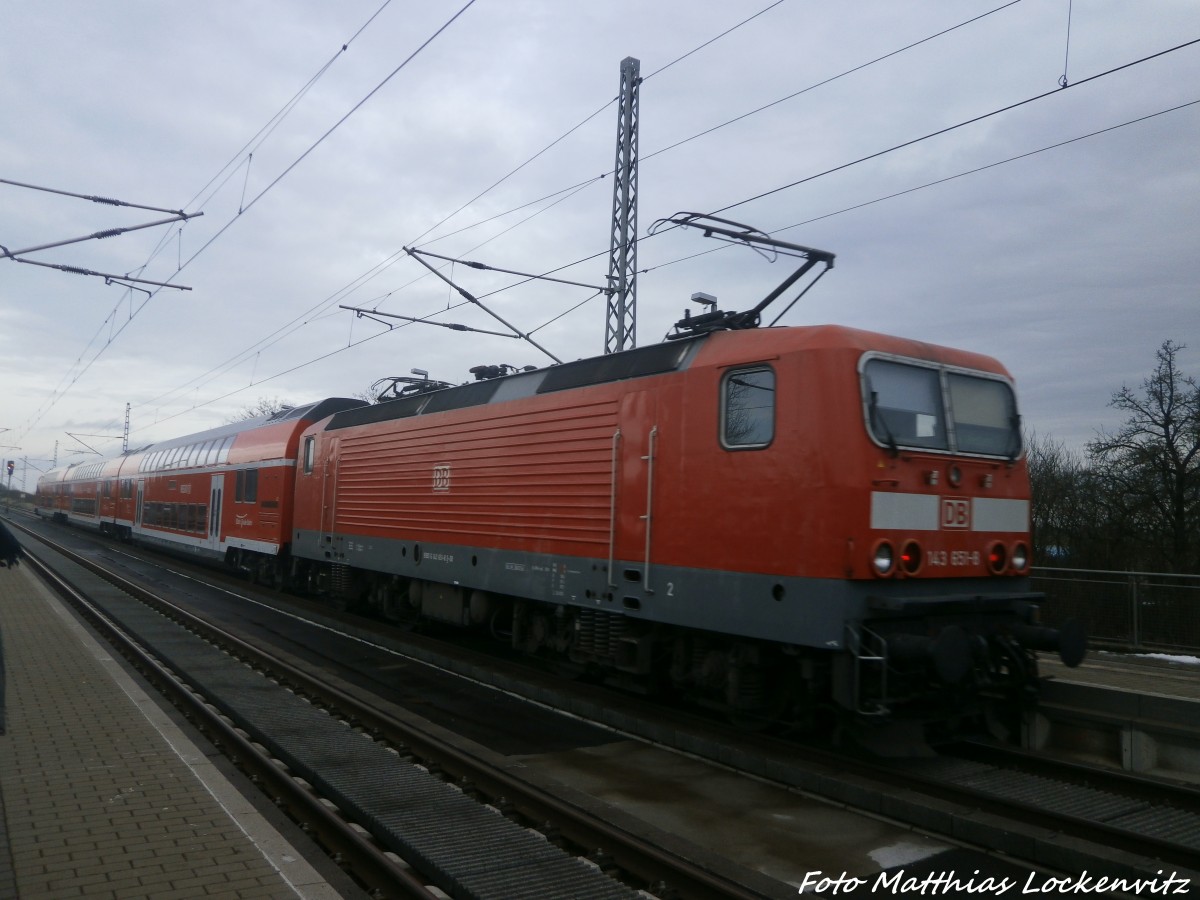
(1014,438)
(878,419)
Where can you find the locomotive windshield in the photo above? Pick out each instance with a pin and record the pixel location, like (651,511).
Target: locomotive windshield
(922,407)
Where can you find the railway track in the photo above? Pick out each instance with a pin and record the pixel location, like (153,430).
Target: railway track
(1066,820)
(397,805)
(1156,818)
(1144,831)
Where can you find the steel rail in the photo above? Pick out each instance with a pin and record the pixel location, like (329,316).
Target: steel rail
(1102,835)
(856,783)
(1179,795)
(658,867)
(349,848)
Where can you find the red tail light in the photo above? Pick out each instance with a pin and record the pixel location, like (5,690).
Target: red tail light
(997,558)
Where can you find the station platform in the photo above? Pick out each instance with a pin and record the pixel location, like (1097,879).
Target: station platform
(103,794)
(1149,674)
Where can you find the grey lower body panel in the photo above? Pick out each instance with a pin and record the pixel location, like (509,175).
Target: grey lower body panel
(812,612)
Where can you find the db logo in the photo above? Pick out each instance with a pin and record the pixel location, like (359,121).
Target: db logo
(441,478)
(956,513)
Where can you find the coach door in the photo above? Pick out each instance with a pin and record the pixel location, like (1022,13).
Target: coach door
(137,512)
(216,494)
(635,452)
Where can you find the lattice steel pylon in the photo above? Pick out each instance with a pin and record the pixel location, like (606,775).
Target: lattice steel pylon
(620,331)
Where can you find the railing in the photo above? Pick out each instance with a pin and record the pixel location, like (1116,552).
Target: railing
(1129,610)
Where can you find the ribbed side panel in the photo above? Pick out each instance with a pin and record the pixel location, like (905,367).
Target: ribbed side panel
(543,476)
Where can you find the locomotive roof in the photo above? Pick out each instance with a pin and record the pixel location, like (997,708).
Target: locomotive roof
(652,360)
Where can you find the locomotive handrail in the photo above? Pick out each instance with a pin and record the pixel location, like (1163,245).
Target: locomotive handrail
(328,499)
(856,645)
(612,508)
(649,457)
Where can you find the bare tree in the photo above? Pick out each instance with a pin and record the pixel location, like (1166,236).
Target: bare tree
(264,406)
(1153,464)
(1056,482)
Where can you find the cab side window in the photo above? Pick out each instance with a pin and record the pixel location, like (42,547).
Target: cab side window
(310,443)
(748,408)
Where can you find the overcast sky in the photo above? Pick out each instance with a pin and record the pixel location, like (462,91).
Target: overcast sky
(1071,266)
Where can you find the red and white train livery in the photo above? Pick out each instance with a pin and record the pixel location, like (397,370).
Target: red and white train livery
(771,521)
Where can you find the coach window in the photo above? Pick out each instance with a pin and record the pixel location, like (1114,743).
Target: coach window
(310,444)
(748,408)
(246,490)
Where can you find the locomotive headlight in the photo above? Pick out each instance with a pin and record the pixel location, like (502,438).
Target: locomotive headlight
(1020,557)
(883,558)
(910,557)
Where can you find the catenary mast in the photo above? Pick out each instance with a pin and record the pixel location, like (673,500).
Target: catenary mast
(620,332)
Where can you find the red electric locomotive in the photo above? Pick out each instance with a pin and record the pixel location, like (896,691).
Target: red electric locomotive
(763,519)
(770,521)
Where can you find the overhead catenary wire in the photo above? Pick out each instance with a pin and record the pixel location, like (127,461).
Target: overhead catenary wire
(831,79)
(564,193)
(336,125)
(776,230)
(726,246)
(55,397)
(928,136)
(778,189)
(254,143)
(287,329)
(558,140)
(274,122)
(700,134)
(929,184)
(955,127)
(575,188)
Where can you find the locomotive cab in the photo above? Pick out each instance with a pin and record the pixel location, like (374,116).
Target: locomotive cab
(948,543)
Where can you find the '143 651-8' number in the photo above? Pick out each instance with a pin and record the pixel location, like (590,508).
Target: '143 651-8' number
(952,557)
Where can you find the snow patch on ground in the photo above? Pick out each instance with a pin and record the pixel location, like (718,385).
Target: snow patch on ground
(1165,657)
(903,853)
